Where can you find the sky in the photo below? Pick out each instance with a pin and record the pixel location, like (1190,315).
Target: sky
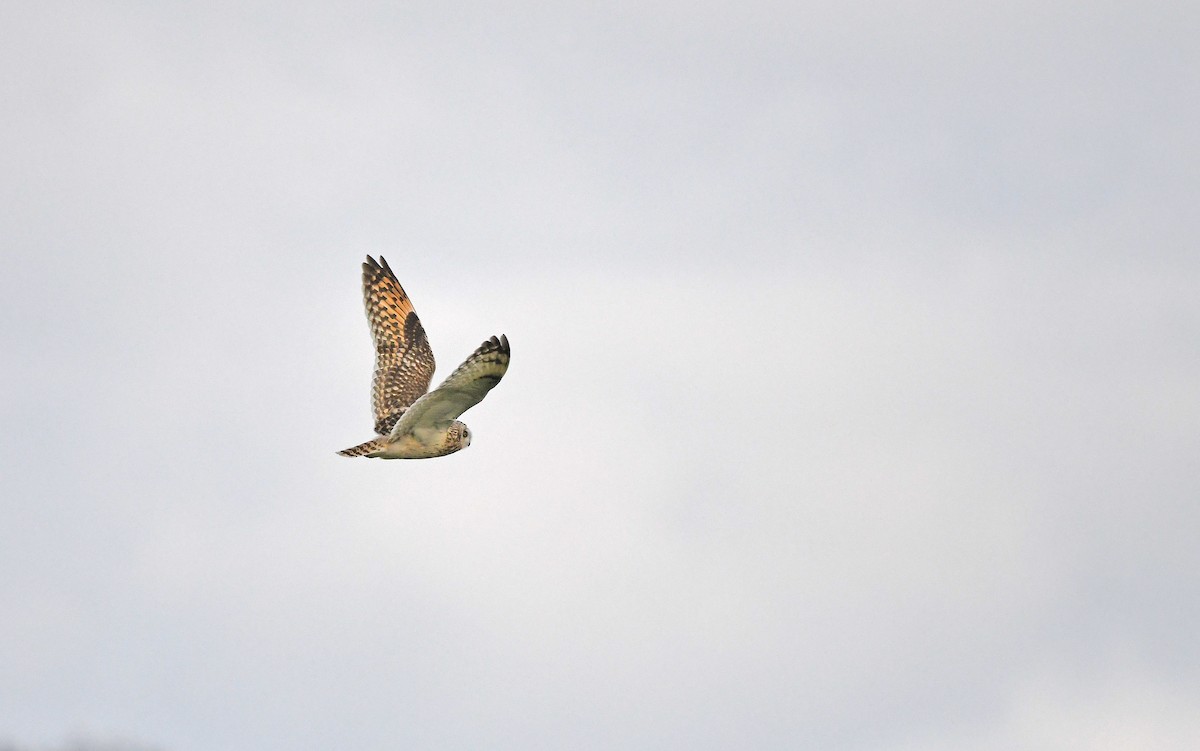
(853,402)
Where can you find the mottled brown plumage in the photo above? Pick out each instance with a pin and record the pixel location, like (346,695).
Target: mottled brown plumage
(404,362)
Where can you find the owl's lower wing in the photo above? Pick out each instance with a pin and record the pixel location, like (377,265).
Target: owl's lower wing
(403,359)
(463,389)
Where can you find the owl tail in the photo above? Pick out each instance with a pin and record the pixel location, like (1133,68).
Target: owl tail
(366,449)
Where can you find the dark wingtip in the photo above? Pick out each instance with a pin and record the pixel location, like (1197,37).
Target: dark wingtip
(496,344)
(372,266)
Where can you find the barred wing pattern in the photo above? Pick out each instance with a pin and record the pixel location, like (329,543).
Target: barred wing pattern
(403,358)
(463,389)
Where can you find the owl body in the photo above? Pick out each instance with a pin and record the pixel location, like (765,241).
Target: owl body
(426,443)
(412,422)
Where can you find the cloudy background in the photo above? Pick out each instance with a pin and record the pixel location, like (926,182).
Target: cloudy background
(853,401)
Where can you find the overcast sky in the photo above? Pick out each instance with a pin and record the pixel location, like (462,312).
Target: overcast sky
(853,403)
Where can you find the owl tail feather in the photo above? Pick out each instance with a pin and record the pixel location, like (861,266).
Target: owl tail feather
(366,449)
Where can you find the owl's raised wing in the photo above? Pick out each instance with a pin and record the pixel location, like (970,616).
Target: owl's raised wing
(403,359)
(463,389)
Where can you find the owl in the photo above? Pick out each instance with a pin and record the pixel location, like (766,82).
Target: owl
(412,422)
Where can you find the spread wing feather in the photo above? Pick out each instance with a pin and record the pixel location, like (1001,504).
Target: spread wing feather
(463,389)
(403,358)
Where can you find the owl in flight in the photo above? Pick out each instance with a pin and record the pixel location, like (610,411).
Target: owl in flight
(411,423)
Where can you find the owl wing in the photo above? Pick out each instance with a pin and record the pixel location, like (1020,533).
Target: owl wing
(463,389)
(403,359)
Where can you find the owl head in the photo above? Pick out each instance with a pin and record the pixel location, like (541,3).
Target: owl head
(458,436)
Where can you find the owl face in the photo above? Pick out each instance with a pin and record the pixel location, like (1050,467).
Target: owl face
(458,435)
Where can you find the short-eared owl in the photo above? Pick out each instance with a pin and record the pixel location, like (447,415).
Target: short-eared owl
(413,424)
